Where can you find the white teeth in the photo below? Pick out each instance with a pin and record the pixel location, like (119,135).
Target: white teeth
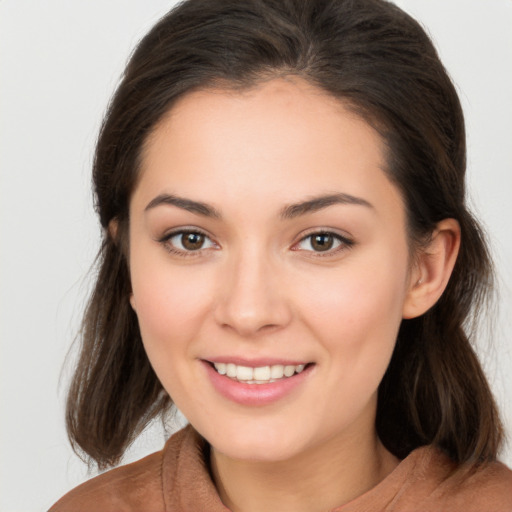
(231,370)
(262,373)
(289,370)
(259,375)
(277,371)
(244,373)
(221,368)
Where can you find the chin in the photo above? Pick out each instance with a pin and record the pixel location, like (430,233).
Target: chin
(260,443)
(256,450)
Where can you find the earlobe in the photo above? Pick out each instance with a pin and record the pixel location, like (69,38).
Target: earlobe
(132,302)
(433,269)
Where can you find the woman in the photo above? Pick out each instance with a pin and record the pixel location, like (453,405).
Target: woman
(287,257)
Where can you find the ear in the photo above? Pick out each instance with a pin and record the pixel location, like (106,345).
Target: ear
(432,269)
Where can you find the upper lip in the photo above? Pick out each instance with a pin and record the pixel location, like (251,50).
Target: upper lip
(256,362)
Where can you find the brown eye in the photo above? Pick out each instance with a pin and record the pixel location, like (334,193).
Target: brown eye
(322,241)
(192,241)
(187,241)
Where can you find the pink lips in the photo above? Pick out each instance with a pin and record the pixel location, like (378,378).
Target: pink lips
(255,394)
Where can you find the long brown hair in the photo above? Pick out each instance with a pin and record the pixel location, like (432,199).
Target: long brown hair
(378,60)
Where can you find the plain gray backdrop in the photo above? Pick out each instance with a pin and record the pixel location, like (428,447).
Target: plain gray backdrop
(59,64)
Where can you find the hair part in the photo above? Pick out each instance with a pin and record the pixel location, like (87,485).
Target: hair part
(375,58)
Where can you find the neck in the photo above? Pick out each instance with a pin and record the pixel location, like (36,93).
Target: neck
(322,478)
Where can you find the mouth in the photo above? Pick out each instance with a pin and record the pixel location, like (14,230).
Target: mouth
(258,384)
(259,374)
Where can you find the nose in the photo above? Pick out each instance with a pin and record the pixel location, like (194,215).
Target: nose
(252,297)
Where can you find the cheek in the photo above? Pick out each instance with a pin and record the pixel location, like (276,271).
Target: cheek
(163,307)
(356,322)
(358,310)
(170,304)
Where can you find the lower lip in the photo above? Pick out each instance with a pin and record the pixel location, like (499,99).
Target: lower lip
(255,394)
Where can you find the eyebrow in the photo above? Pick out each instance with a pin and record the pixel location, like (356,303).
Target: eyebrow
(288,212)
(197,207)
(318,203)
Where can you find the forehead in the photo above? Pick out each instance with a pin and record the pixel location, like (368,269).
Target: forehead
(284,138)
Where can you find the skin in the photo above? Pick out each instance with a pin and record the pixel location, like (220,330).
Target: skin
(257,288)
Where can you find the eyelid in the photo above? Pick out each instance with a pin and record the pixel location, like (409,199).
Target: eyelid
(183,229)
(165,241)
(346,242)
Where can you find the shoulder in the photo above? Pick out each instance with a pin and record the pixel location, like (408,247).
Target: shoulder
(121,489)
(437,484)
(427,480)
(487,487)
(133,487)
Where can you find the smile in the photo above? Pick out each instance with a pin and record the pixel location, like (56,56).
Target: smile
(257,385)
(258,375)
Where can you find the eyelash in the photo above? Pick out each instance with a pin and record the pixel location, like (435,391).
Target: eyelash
(166,242)
(344,243)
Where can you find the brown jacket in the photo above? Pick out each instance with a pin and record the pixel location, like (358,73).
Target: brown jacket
(177,480)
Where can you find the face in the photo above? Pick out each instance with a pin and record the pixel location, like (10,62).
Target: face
(269,266)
